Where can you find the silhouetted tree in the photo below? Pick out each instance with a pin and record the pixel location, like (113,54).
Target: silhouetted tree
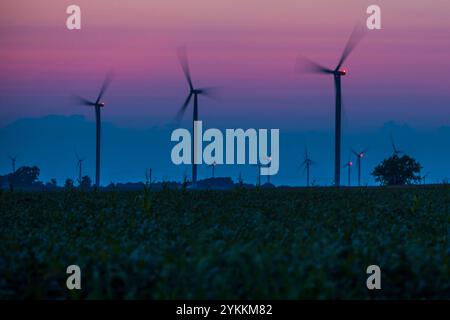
(24,176)
(68,184)
(85,183)
(398,171)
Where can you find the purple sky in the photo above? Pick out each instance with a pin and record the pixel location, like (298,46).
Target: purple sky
(249,47)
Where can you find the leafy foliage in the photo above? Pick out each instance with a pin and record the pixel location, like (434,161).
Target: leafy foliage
(266,243)
(85,182)
(397,171)
(25,176)
(69,184)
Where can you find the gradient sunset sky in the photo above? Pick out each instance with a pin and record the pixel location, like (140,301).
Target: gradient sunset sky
(400,73)
(247,46)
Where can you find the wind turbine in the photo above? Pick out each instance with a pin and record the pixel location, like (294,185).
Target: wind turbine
(98,104)
(79,168)
(349,165)
(193,92)
(259,166)
(307,162)
(148,176)
(394,147)
(337,73)
(359,156)
(269,159)
(424,177)
(13,162)
(12,176)
(213,166)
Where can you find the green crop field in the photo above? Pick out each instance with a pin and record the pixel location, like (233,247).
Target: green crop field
(178,244)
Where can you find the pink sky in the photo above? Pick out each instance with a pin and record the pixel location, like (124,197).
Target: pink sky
(248,46)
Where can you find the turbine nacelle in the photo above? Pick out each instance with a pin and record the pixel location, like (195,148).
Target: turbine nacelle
(341,72)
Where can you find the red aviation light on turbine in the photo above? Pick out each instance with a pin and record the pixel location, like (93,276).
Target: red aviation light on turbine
(343,71)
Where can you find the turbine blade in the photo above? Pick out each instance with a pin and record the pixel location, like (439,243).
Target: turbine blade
(183,107)
(182,57)
(305,65)
(355,37)
(105,86)
(82,101)
(215,93)
(393,143)
(302,165)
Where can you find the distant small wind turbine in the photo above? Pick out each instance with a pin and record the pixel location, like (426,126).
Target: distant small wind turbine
(424,177)
(349,165)
(359,156)
(211,92)
(337,73)
(98,104)
(13,162)
(394,147)
(79,167)
(13,167)
(259,166)
(213,166)
(307,163)
(148,176)
(269,159)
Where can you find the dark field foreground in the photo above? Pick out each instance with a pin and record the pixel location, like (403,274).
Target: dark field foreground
(280,244)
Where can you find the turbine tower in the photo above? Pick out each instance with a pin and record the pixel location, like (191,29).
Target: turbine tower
(359,156)
(259,166)
(98,104)
(349,165)
(213,166)
(307,163)
(193,92)
(148,176)
(337,73)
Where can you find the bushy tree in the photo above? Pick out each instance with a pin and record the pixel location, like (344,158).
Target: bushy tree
(398,171)
(85,183)
(24,176)
(68,184)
